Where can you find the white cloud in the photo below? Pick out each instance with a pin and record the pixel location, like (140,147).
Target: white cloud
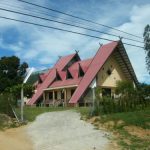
(140,16)
(45,45)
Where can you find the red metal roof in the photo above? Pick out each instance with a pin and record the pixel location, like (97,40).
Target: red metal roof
(68,82)
(63,61)
(49,77)
(83,63)
(74,69)
(44,75)
(98,61)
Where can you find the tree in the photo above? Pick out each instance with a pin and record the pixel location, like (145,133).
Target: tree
(14,91)
(11,72)
(124,87)
(146,36)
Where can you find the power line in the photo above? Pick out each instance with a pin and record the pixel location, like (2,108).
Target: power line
(44,13)
(60,18)
(87,20)
(47,14)
(60,29)
(68,24)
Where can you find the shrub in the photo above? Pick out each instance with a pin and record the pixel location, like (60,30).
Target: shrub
(130,99)
(6,101)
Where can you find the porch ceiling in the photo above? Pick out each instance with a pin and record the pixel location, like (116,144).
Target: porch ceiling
(61,87)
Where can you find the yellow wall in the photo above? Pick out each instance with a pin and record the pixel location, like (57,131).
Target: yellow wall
(105,80)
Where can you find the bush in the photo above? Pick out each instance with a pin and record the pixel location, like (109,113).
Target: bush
(6,101)
(130,99)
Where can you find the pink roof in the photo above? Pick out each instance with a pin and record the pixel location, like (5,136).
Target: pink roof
(63,61)
(44,75)
(83,63)
(69,82)
(98,61)
(50,77)
(74,69)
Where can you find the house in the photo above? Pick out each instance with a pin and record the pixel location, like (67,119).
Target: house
(70,80)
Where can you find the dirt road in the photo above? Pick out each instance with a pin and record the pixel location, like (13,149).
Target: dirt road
(55,131)
(15,139)
(65,131)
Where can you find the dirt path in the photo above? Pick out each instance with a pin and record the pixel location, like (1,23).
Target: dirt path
(56,131)
(65,131)
(15,139)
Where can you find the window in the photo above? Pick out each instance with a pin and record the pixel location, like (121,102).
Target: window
(55,93)
(50,95)
(57,76)
(68,75)
(109,72)
(72,91)
(106,92)
(62,95)
(81,72)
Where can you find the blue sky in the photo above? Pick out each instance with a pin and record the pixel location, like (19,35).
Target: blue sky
(40,47)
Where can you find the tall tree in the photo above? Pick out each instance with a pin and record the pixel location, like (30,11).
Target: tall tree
(146,36)
(11,72)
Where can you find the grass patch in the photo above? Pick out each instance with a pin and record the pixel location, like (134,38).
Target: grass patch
(139,120)
(30,113)
(6,122)
(128,141)
(84,111)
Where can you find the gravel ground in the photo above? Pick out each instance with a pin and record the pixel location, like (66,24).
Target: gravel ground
(65,131)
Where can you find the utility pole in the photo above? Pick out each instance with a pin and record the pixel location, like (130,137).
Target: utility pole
(93,85)
(22,102)
(22,92)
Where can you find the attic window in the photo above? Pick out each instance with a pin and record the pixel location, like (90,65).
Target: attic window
(81,72)
(57,76)
(109,72)
(68,75)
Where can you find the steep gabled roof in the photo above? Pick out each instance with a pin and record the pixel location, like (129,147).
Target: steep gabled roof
(43,76)
(99,59)
(51,76)
(75,67)
(63,61)
(49,79)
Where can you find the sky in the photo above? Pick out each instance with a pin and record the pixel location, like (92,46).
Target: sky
(41,47)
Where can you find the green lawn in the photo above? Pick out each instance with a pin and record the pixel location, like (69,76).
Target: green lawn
(138,118)
(30,113)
